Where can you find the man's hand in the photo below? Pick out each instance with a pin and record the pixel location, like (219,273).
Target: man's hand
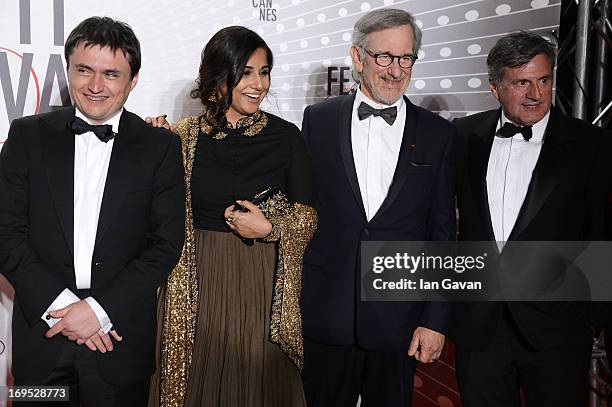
(78,321)
(426,345)
(100,341)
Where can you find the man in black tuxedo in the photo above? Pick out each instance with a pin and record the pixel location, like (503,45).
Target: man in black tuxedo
(526,172)
(385,171)
(91,223)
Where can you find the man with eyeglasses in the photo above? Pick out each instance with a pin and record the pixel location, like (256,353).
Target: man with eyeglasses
(384,171)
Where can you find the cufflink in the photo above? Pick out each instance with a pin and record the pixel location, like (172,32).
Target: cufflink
(47,317)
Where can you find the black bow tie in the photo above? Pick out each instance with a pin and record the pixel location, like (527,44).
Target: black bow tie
(388,114)
(104,131)
(509,130)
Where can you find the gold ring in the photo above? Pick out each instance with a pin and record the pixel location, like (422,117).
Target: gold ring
(231,218)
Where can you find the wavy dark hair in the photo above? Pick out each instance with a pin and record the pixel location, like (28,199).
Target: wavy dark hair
(221,68)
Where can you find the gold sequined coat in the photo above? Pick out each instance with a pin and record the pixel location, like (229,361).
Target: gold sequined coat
(293,227)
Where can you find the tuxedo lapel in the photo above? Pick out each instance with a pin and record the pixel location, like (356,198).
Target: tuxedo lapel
(125,158)
(57,141)
(346,148)
(408,146)
(479,150)
(545,175)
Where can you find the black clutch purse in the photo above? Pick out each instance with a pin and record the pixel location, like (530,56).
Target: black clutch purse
(272,202)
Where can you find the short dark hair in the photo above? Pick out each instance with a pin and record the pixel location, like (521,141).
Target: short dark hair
(106,32)
(516,50)
(222,65)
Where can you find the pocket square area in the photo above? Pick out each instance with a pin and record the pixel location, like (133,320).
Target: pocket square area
(419,164)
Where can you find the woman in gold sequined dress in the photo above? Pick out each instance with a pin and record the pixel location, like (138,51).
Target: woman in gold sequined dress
(230,329)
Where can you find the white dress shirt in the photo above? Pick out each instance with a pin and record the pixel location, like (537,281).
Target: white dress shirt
(511,164)
(91,160)
(376,147)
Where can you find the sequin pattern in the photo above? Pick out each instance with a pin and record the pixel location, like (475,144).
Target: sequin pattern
(293,226)
(252,125)
(181,295)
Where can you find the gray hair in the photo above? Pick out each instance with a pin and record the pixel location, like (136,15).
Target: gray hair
(516,50)
(379,20)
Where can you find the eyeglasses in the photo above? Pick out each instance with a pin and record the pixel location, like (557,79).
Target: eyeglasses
(384,59)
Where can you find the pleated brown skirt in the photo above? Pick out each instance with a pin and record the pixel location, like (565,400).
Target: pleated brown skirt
(234,363)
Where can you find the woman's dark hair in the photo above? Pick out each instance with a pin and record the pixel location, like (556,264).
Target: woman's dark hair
(221,68)
(105,32)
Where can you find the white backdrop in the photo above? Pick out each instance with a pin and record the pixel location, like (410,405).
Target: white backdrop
(310,40)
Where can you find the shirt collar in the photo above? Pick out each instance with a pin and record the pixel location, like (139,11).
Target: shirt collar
(113,121)
(537,129)
(361,97)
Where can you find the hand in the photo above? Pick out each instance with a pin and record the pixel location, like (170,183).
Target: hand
(252,224)
(426,345)
(100,341)
(159,121)
(78,321)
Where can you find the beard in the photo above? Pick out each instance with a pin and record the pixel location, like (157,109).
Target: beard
(389,96)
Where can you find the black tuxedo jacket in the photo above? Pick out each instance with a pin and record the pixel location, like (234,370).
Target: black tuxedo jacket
(139,237)
(565,201)
(419,206)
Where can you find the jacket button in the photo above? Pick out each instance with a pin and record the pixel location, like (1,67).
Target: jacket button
(366,232)
(98,263)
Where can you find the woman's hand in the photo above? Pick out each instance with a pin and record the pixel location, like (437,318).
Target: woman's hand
(160,121)
(252,224)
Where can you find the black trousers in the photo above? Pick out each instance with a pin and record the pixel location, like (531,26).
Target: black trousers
(78,369)
(555,377)
(337,375)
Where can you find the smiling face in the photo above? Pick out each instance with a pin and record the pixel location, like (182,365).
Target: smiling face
(99,81)
(525,93)
(385,85)
(252,88)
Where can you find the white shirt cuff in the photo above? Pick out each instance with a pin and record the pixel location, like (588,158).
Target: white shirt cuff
(65,298)
(105,323)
